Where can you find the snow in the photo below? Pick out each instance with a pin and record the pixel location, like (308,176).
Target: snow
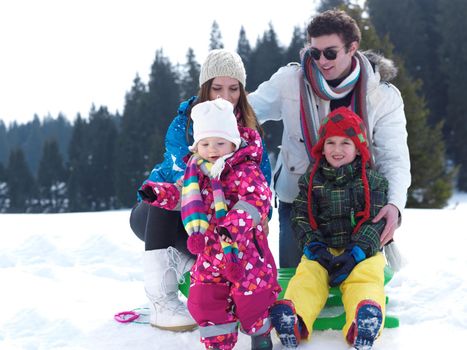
(64,276)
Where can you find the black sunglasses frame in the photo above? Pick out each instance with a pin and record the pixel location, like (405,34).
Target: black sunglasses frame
(329,53)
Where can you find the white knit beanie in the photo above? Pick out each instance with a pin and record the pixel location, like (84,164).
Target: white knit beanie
(222,63)
(214,119)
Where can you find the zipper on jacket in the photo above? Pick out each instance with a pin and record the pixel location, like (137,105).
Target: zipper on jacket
(255,242)
(274,179)
(352,210)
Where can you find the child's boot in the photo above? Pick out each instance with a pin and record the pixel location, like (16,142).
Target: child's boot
(366,326)
(285,320)
(261,342)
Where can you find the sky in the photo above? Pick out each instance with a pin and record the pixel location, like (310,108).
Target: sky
(63,56)
(64,276)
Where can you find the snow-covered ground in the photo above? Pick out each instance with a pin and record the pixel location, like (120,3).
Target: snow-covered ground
(64,276)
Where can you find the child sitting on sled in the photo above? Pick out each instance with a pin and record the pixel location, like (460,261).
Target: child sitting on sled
(332,218)
(225,198)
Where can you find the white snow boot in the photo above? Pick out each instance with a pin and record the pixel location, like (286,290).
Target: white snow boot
(163,269)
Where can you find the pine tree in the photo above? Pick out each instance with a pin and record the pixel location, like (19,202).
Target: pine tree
(432,183)
(189,80)
(244,49)
(453,55)
(413,27)
(60,129)
(29,138)
(51,179)
(101,139)
(147,114)
(4,146)
(32,144)
(333,4)
(296,44)
(20,182)
(163,101)
(79,176)
(2,173)
(266,58)
(4,200)
(133,145)
(215,40)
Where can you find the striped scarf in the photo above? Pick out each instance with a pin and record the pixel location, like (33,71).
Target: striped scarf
(314,82)
(194,217)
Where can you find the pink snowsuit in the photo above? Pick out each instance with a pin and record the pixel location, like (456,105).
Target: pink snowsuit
(216,303)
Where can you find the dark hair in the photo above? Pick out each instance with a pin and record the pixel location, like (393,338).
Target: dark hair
(335,22)
(247,115)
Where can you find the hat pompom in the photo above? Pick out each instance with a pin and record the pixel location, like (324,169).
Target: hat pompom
(233,271)
(196,243)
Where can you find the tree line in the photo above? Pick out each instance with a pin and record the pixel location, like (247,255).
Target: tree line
(97,162)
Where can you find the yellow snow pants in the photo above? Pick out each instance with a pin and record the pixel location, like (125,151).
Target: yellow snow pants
(308,289)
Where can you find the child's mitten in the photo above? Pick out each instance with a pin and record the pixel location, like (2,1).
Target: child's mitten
(343,264)
(318,251)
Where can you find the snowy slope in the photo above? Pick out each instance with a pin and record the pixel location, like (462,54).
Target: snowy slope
(64,276)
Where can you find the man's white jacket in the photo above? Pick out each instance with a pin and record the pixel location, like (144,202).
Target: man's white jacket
(279,99)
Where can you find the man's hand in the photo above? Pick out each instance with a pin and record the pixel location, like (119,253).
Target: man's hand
(391,214)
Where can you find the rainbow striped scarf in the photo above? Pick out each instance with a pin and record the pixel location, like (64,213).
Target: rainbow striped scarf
(194,217)
(314,82)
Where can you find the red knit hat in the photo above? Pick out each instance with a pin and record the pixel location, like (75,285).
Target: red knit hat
(342,122)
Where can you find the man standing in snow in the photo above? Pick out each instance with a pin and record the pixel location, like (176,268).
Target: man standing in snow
(333,73)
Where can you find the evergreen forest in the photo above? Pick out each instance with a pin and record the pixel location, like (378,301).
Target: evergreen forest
(98,161)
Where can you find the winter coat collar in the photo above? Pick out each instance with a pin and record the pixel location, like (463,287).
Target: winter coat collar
(382,65)
(250,148)
(343,174)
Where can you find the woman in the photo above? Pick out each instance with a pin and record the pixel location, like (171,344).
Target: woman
(166,258)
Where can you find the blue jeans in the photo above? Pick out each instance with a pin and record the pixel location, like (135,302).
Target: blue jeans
(289,252)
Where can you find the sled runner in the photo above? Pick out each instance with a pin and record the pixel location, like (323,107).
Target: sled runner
(333,315)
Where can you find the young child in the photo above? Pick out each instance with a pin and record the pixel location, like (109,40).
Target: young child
(332,218)
(225,197)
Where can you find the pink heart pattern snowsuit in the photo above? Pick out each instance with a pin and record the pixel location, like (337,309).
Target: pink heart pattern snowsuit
(216,303)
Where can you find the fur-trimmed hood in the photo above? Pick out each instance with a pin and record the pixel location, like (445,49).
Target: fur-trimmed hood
(384,66)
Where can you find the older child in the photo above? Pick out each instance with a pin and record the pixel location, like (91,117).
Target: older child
(339,196)
(225,198)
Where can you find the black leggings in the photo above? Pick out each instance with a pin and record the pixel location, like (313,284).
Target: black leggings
(158,228)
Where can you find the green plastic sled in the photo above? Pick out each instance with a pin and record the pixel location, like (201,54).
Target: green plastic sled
(333,315)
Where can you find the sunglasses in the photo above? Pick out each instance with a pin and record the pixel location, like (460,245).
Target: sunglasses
(329,54)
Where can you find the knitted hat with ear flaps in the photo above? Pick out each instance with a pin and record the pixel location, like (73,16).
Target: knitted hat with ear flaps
(342,122)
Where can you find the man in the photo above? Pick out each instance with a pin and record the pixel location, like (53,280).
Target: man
(334,73)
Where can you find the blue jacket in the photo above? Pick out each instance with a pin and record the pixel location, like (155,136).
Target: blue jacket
(176,148)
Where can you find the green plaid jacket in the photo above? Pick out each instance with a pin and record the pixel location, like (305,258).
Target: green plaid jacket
(337,195)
